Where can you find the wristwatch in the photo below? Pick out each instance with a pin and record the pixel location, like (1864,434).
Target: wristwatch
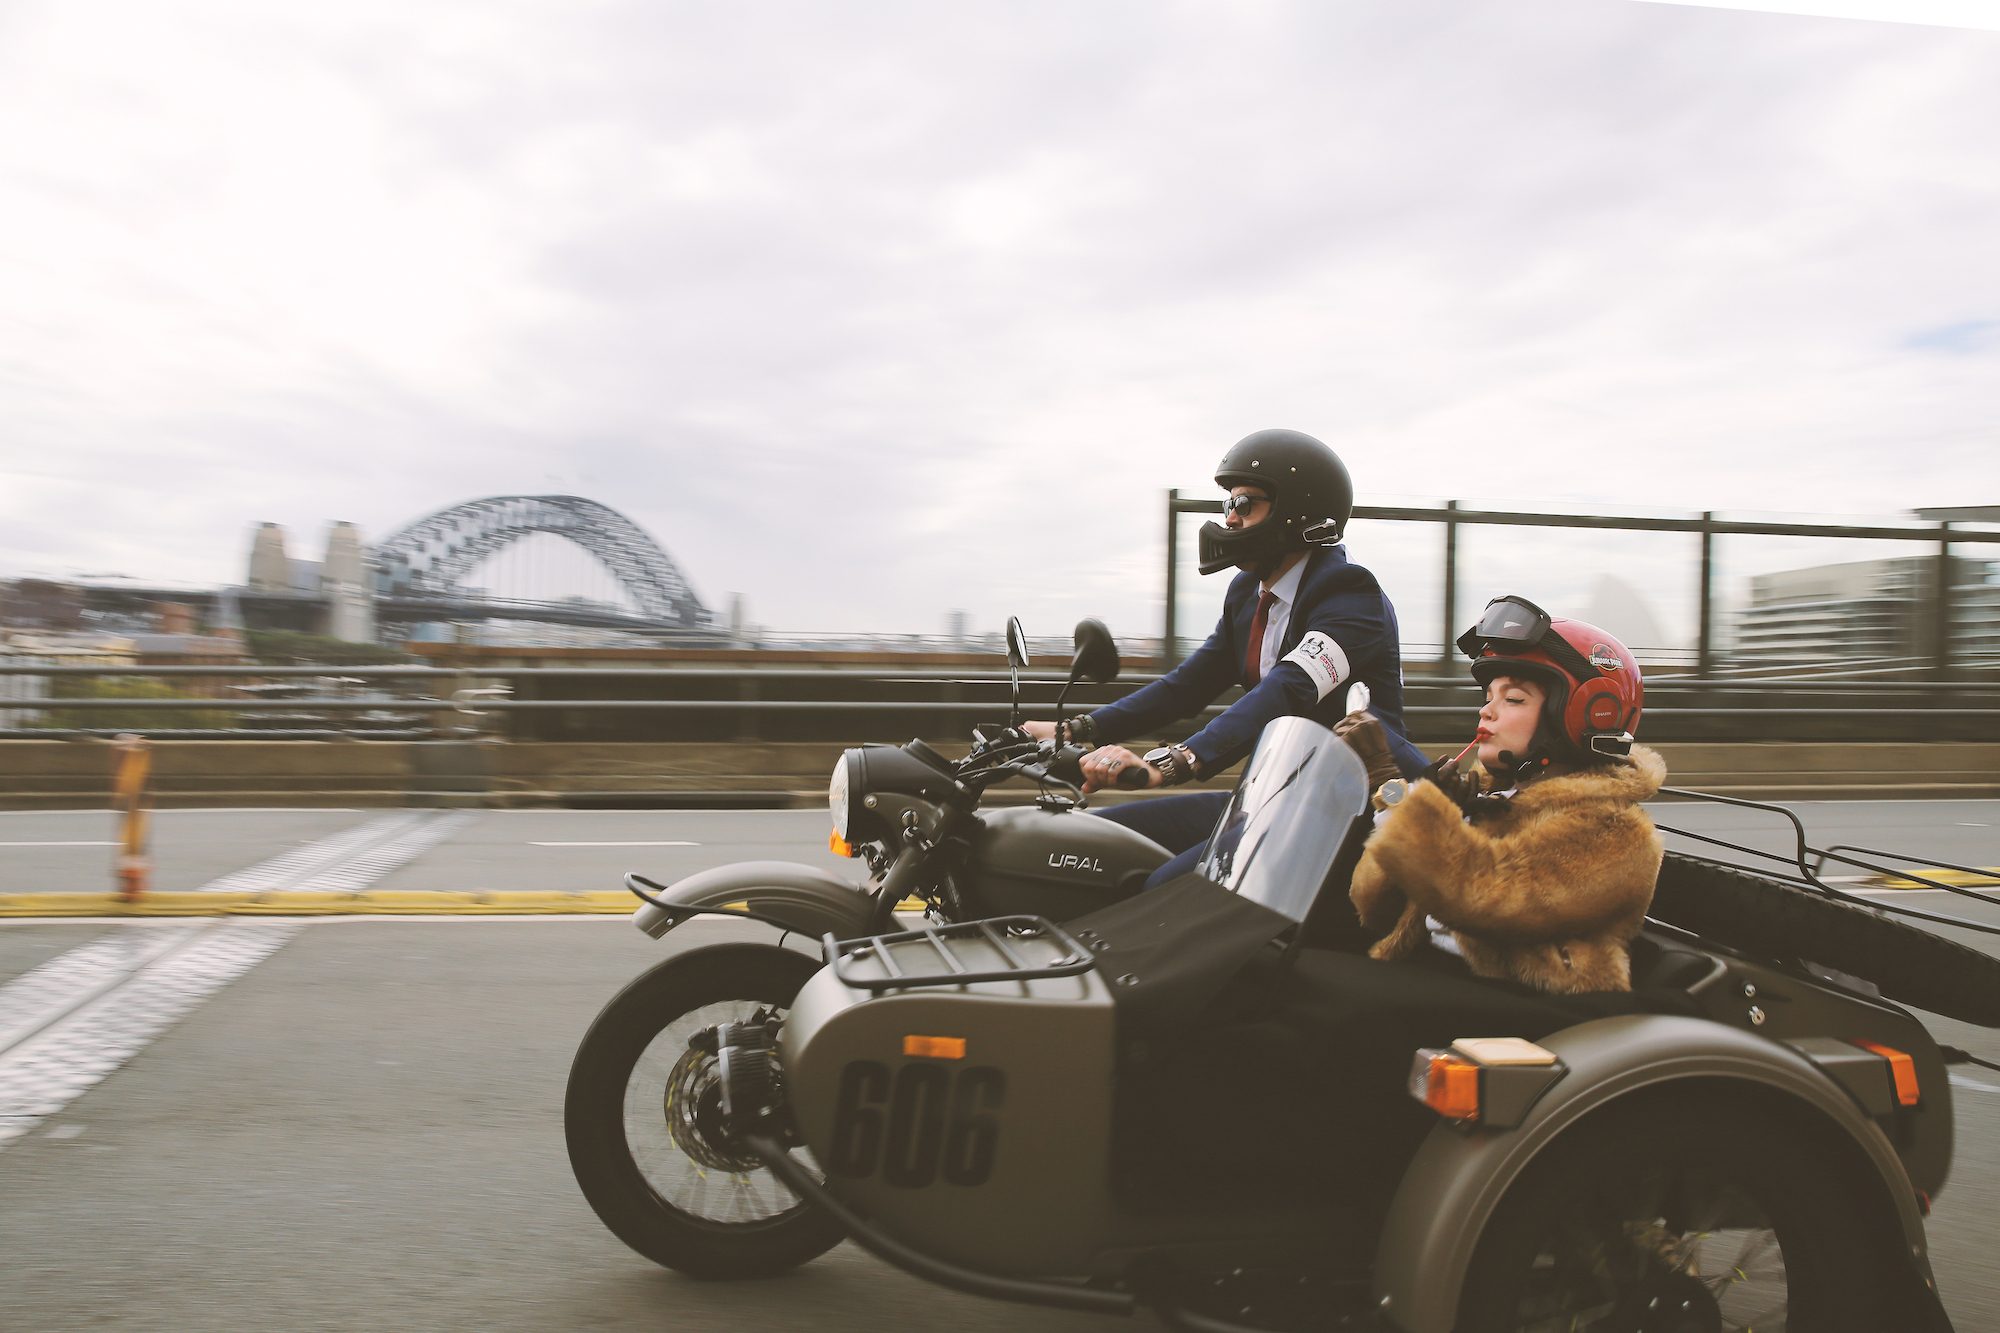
(1390,793)
(1176,765)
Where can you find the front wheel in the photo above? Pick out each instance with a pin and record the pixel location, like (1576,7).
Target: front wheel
(1680,1218)
(642,1118)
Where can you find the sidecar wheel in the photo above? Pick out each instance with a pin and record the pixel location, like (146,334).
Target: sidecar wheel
(1680,1219)
(635,1131)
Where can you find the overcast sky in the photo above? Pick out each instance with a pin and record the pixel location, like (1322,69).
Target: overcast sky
(870,310)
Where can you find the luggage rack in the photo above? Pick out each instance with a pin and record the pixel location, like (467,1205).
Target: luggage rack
(991,931)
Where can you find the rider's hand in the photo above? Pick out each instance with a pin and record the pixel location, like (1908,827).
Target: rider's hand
(1102,766)
(1041,731)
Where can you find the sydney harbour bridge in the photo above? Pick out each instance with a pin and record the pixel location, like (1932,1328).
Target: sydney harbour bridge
(423,574)
(420,572)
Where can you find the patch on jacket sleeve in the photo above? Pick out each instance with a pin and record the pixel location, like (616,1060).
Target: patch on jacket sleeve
(1322,659)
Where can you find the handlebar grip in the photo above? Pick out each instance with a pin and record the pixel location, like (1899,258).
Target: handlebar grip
(1067,763)
(1132,777)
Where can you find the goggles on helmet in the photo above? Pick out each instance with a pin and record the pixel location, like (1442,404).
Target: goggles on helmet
(1507,621)
(1511,625)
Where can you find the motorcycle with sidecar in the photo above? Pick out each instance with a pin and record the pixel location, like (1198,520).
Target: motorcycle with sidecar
(1208,1101)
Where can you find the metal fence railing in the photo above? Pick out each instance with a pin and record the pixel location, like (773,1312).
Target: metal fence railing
(1935,606)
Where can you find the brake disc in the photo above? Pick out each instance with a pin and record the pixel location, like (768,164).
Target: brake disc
(694,1115)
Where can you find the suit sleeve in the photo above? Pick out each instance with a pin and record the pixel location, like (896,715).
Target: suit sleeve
(1182,692)
(1353,620)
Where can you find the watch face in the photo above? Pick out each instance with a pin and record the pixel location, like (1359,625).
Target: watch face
(1394,790)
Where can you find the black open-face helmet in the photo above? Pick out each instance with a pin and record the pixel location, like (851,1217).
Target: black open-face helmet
(1310,492)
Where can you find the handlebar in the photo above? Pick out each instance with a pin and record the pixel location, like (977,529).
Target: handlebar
(1067,763)
(1011,752)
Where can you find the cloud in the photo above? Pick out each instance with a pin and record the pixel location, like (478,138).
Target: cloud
(873,310)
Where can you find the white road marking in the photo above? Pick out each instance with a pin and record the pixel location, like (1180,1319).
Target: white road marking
(330,862)
(59,987)
(614,844)
(1961,1081)
(98,843)
(66,1025)
(42,1075)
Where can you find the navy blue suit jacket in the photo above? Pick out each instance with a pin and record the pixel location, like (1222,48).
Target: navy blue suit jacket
(1339,599)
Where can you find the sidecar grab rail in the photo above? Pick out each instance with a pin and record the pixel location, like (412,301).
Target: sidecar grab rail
(840,953)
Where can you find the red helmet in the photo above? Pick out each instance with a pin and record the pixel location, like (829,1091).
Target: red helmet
(1595,689)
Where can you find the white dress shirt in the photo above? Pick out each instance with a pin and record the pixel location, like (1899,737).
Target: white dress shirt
(1286,594)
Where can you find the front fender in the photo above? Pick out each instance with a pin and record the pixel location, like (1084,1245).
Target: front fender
(785,894)
(1457,1179)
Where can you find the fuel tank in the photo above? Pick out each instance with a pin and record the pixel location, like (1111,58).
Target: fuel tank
(969,1120)
(1054,864)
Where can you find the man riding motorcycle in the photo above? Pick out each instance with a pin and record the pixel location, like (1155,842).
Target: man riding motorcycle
(1300,624)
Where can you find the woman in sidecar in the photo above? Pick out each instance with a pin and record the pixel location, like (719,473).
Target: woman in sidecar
(1539,866)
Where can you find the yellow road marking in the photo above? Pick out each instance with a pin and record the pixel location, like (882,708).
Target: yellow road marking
(390,902)
(1987,879)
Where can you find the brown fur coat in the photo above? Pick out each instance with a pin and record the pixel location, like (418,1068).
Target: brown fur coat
(1548,889)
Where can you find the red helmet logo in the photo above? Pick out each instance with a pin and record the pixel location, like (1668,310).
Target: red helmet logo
(1604,657)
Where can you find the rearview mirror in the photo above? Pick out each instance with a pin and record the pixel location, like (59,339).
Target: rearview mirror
(1097,657)
(1017,657)
(1017,644)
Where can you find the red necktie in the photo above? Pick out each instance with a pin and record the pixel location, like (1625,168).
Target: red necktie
(1253,664)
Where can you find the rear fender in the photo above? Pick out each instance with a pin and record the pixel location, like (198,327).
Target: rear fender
(793,897)
(1457,1179)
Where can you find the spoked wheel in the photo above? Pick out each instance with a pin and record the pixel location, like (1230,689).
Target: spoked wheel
(1677,1220)
(644,1121)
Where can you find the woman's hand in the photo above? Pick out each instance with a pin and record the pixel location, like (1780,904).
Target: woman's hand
(1102,766)
(1041,731)
(1463,789)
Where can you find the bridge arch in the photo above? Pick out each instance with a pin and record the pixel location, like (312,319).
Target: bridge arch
(432,556)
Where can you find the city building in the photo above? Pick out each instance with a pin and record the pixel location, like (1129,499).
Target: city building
(1877,609)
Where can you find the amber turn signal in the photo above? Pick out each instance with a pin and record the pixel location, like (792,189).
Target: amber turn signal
(838,845)
(1446,1082)
(937,1048)
(1901,1066)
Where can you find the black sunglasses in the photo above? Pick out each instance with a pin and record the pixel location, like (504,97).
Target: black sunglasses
(1242,504)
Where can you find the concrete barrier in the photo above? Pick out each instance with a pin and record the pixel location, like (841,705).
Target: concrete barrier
(78,774)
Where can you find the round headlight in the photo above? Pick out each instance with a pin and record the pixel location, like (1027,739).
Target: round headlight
(836,796)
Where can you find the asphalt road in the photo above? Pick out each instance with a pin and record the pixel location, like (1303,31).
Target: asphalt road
(364,1132)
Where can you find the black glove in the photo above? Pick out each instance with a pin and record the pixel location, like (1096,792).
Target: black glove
(1463,789)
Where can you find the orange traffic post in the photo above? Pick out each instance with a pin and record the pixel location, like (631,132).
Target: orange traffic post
(135,768)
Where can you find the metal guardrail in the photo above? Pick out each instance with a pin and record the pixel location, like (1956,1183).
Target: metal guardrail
(1765,707)
(1941,536)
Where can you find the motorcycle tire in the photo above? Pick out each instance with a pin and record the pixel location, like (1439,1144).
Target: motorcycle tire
(1909,964)
(1686,1216)
(685,1200)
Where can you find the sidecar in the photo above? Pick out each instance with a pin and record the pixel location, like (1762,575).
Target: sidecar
(1208,1101)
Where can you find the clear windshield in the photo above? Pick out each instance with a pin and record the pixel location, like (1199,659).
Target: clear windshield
(1288,817)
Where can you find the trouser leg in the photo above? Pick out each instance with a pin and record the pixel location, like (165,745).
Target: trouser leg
(1181,824)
